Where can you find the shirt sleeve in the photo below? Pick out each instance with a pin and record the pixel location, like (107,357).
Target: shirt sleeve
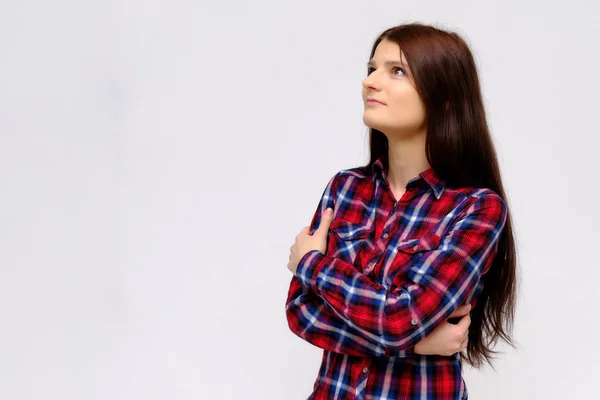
(311,318)
(442,279)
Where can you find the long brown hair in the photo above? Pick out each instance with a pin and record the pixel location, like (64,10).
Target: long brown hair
(460,150)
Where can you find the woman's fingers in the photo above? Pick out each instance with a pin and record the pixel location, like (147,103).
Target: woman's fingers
(464,322)
(463,326)
(464,343)
(460,311)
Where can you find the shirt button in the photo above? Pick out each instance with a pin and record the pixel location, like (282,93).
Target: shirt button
(385,235)
(415,247)
(365,369)
(414,322)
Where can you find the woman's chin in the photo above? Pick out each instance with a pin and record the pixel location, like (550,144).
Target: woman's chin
(371,122)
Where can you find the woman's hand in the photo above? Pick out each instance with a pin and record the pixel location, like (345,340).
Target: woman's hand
(305,242)
(447,338)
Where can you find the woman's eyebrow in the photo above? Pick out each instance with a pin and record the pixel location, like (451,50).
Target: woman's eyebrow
(371,63)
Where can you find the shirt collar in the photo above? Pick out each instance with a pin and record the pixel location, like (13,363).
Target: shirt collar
(429,176)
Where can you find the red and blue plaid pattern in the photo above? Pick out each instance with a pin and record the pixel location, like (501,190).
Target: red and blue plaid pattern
(392,272)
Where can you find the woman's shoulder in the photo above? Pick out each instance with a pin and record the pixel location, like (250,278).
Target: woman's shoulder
(354,173)
(477,197)
(348,176)
(473,192)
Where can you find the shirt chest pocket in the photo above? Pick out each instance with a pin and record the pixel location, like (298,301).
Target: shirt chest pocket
(347,237)
(427,242)
(407,254)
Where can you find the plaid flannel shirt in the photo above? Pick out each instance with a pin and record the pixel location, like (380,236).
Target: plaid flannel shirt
(392,271)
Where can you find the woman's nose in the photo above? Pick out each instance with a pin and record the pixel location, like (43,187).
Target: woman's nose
(370,82)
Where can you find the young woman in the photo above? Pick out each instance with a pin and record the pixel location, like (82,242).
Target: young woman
(397,246)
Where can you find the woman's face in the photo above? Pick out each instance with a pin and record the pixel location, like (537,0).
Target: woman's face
(390,81)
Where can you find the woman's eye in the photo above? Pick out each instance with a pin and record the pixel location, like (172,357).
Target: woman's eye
(370,70)
(399,69)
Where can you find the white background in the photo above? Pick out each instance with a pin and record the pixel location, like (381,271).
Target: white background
(157,159)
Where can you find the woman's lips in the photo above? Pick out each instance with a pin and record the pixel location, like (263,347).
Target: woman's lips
(375,102)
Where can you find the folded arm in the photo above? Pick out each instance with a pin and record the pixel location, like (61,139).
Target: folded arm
(312,319)
(399,317)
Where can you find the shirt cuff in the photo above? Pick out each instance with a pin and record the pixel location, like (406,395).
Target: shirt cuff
(308,269)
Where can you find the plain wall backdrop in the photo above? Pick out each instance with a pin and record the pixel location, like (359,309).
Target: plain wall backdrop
(157,159)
